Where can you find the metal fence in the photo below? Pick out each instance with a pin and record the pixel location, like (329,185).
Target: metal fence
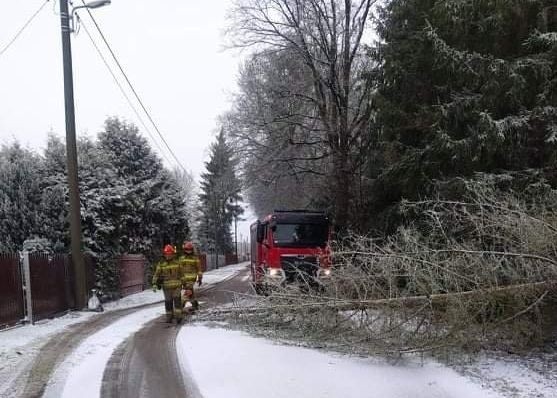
(12,305)
(132,274)
(50,285)
(214,262)
(35,286)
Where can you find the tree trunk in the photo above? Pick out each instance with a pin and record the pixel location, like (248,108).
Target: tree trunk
(342,191)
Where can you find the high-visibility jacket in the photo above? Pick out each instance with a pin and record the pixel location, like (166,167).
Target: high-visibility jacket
(169,273)
(191,268)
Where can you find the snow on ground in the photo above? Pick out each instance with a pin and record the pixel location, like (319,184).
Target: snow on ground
(527,376)
(80,375)
(221,274)
(232,364)
(20,345)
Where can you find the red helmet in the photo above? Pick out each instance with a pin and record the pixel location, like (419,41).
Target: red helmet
(169,250)
(188,247)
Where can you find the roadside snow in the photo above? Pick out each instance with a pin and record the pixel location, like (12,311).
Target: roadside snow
(80,375)
(20,345)
(221,274)
(228,363)
(527,376)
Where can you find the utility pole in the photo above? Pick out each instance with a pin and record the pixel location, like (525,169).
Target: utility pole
(236,233)
(71,155)
(217,221)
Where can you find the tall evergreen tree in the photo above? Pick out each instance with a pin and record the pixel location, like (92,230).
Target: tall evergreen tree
(54,197)
(153,211)
(129,202)
(219,197)
(20,196)
(465,86)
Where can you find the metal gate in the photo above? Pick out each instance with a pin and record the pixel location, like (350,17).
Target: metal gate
(132,274)
(50,285)
(12,306)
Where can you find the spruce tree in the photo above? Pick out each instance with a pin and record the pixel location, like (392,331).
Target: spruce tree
(20,196)
(219,198)
(465,86)
(54,198)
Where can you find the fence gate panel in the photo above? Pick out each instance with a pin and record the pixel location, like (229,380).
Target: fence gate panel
(132,274)
(49,284)
(11,290)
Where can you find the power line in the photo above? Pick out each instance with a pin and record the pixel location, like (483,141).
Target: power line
(99,52)
(22,29)
(132,88)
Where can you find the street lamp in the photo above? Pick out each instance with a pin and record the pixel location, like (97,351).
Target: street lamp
(71,151)
(96,4)
(91,5)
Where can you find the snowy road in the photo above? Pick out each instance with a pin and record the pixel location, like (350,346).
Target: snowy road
(34,381)
(132,352)
(146,365)
(67,356)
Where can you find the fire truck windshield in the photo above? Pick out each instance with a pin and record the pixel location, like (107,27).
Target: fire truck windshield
(300,235)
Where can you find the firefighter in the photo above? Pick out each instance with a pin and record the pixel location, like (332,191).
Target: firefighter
(191,273)
(168,276)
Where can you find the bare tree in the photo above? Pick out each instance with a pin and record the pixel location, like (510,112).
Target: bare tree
(327,37)
(188,187)
(276,134)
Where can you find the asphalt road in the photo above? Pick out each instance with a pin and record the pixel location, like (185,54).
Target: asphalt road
(146,364)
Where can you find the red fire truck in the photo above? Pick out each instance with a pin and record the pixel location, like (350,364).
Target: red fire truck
(287,246)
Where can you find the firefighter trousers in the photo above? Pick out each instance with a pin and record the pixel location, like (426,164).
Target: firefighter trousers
(173,304)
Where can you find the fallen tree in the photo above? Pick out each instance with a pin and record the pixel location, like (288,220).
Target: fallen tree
(462,275)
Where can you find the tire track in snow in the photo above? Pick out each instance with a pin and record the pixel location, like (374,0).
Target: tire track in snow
(80,374)
(33,381)
(147,364)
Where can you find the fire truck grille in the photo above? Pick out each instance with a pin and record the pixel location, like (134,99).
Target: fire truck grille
(299,268)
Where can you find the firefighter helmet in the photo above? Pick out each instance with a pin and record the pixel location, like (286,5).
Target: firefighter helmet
(169,250)
(188,247)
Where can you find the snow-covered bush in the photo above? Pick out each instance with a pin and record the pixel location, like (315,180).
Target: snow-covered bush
(129,202)
(37,245)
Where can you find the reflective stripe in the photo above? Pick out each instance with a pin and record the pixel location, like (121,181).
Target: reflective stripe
(170,274)
(191,268)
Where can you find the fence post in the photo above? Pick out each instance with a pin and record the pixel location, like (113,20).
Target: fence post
(28,295)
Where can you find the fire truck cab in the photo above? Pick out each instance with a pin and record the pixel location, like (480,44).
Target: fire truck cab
(289,245)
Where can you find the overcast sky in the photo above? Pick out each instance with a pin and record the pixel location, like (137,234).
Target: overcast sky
(172,51)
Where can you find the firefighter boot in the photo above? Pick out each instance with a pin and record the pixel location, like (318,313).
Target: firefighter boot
(179,316)
(168,310)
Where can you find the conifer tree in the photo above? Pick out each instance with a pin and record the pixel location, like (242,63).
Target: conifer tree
(465,86)
(20,196)
(220,193)
(54,198)
(151,211)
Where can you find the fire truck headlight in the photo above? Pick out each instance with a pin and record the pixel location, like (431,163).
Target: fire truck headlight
(276,274)
(324,273)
